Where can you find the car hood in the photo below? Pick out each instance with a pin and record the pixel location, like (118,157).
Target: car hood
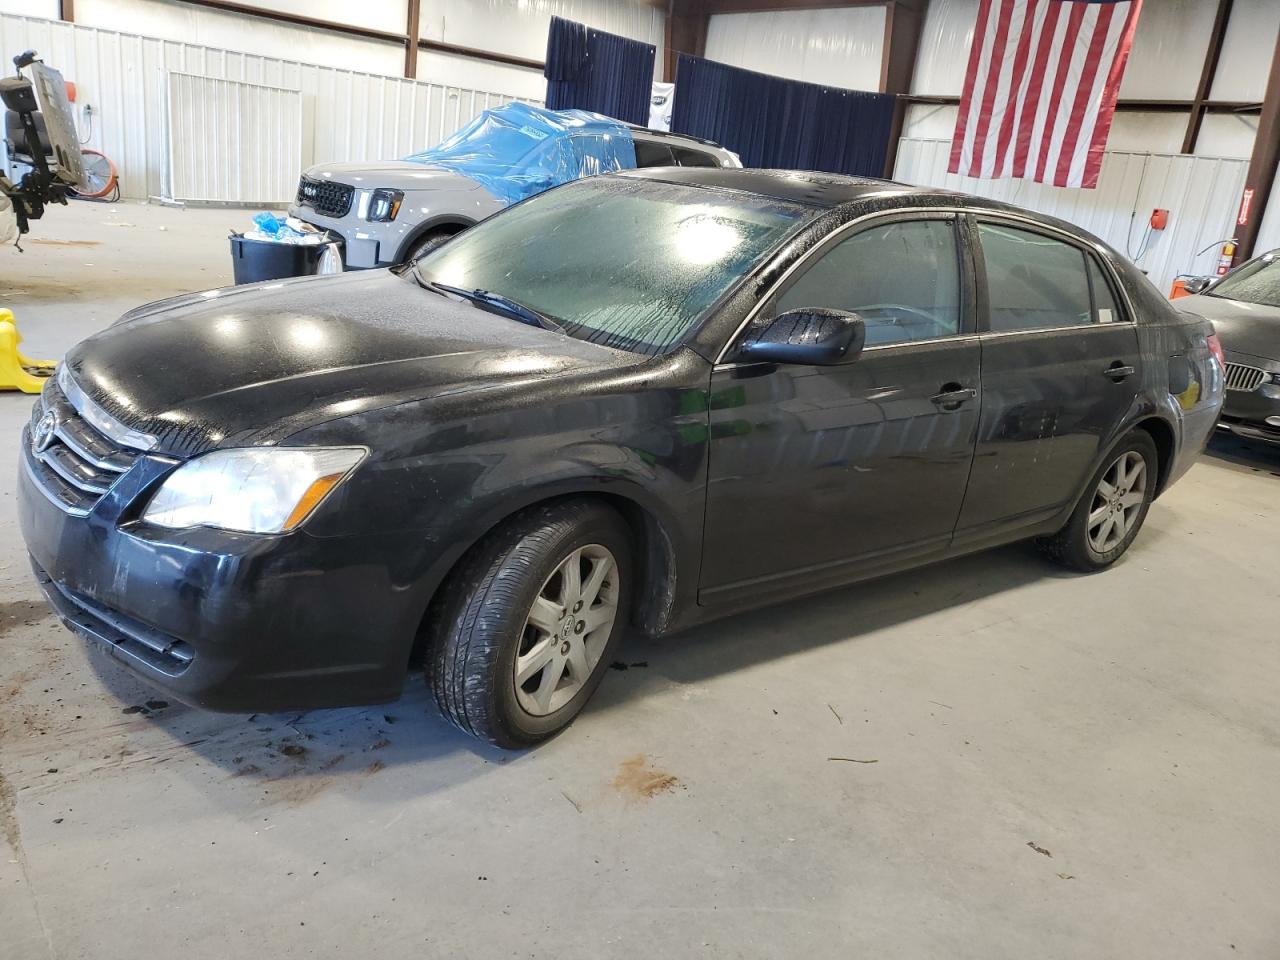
(254,364)
(393,174)
(1251,328)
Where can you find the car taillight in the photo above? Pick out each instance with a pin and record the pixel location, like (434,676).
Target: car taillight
(1215,347)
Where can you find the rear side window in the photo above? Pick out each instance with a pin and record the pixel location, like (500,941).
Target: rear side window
(1034,282)
(650,154)
(693,158)
(902,278)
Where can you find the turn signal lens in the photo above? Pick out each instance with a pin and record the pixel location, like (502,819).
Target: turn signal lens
(311,499)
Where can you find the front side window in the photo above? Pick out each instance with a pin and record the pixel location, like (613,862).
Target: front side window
(1256,282)
(627,263)
(902,278)
(1033,282)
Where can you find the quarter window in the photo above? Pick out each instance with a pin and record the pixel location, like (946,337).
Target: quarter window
(902,278)
(1105,308)
(1034,282)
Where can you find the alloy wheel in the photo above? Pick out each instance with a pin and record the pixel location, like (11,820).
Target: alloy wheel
(566,630)
(1117,502)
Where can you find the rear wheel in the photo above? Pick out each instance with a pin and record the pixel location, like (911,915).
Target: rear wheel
(523,635)
(1109,516)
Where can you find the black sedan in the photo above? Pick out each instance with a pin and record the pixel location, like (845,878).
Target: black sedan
(640,400)
(1244,307)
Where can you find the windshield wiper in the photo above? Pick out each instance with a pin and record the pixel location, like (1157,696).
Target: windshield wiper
(512,308)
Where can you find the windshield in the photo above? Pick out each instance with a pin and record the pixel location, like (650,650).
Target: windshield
(1256,282)
(631,264)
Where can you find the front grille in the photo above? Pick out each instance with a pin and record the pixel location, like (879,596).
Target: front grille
(323,196)
(79,464)
(1244,378)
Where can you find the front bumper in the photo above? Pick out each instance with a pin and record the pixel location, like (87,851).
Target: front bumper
(364,244)
(1246,412)
(223,621)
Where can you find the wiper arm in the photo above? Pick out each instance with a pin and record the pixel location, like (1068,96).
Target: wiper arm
(512,308)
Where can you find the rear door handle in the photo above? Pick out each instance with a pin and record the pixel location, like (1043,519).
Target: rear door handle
(953,395)
(1118,371)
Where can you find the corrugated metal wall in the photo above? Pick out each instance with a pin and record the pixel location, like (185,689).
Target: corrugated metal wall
(1200,194)
(346,115)
(232,142)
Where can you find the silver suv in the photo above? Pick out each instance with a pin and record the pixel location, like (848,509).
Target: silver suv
(393,211)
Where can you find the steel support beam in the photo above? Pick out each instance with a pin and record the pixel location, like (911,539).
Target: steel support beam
(903,20)
(412,15)
(67,10)
(1261,178)
(1210,69)
(685,32)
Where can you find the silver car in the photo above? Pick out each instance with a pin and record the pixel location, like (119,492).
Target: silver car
(394,211)
(1244,307)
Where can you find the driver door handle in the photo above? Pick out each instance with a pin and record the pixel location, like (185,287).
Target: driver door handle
(1118,371)
(953,395)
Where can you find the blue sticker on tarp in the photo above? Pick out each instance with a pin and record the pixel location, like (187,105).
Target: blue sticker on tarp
(518,150)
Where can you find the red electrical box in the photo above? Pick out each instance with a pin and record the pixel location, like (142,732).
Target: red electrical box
(1159,219)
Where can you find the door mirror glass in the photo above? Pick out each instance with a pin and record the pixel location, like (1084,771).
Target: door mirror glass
(807,335)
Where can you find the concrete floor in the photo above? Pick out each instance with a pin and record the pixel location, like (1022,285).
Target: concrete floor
(1053,765)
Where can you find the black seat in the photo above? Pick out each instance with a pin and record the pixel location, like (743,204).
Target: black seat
(17,136)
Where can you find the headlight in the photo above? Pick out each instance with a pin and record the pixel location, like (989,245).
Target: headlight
(253,490)
(384,205)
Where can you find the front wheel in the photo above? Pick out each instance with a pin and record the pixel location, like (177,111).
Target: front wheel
(1112,511)
(525,630)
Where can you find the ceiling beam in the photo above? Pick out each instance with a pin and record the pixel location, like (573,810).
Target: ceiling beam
(708,7)
(1207,72)
(1260,180)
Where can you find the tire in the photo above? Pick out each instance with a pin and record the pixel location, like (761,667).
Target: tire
(424,245)
(485,621)
(1082,546)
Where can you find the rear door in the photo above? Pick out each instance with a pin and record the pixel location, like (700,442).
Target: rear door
(816,471)
(1059,373)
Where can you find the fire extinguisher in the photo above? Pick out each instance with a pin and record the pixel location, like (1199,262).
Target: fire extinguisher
(1228,255)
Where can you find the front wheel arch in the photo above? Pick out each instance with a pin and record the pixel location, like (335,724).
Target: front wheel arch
(654,558)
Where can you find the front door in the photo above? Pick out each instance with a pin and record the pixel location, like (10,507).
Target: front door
(1060,372)
(817,470)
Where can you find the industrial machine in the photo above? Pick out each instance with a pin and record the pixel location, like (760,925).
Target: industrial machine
(41,134)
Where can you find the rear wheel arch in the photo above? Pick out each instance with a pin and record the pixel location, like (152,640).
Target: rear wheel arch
(1163,437)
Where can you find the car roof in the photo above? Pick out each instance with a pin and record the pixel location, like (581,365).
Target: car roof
(650,133)
(798,186)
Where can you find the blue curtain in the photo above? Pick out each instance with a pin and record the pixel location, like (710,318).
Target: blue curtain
(592,70)
(772,122)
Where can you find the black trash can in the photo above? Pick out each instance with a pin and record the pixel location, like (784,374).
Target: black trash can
(254,260)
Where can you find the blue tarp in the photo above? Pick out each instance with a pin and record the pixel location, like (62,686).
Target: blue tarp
(517,150)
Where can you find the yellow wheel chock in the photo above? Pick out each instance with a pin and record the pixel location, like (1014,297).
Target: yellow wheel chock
(16,371)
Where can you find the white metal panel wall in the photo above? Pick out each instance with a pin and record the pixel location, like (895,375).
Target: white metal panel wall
(1247,48)
(839,47)
(944,47)
(232,142)
(1200,193)
(186,23)
(346,115)
(519,27)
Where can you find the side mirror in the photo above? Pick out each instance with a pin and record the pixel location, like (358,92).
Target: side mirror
(809,335)
(1194,285)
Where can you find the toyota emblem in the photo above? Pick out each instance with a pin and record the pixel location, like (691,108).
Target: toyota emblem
(42,435)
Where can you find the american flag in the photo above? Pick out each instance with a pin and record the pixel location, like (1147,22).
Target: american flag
(1041,89)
